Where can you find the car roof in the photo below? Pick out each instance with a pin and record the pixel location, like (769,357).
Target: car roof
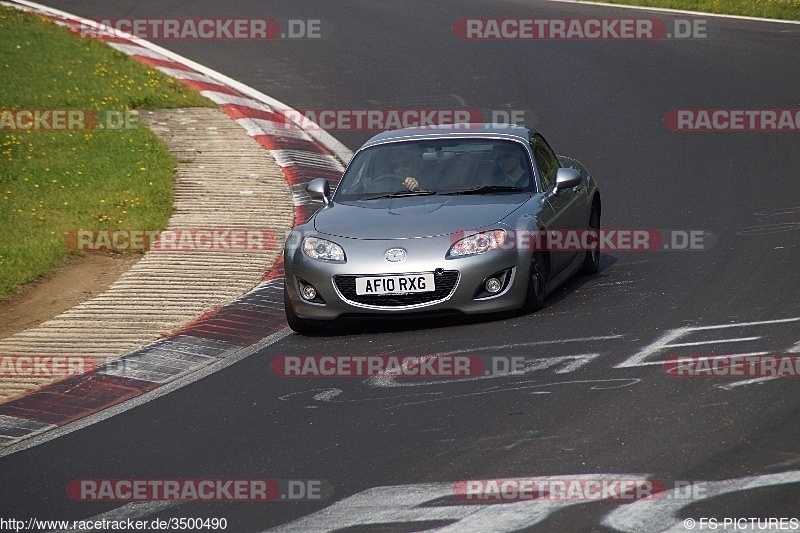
(510,131)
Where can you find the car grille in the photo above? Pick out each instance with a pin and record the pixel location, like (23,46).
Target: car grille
(445,283)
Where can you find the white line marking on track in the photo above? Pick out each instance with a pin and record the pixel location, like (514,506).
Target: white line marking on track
(730,386)
(578,361)
(327,395)
(616,383)
(663,514)
(716,341)
(665,341)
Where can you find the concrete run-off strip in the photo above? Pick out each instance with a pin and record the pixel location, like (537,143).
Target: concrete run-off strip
(224,179)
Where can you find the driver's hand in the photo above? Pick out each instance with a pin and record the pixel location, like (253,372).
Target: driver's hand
(411,184)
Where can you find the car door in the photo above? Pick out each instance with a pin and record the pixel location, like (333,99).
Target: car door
(569,207)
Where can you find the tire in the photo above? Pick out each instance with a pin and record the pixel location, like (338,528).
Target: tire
(591,262)
(300,325)
(537,284)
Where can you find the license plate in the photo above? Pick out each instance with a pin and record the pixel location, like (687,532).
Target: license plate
(395,284)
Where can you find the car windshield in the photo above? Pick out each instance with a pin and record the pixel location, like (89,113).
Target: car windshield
(442,166)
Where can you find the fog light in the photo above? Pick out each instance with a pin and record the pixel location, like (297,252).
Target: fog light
(308,292)
(493,285)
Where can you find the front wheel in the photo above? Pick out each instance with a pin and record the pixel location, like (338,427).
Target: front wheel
(591,262)
(537,284)
(300,325)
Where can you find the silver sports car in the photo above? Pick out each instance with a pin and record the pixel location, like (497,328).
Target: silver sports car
(433,220)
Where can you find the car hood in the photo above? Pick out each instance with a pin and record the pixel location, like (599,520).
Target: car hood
(416,216)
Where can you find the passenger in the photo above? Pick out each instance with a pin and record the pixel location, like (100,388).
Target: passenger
(509,167)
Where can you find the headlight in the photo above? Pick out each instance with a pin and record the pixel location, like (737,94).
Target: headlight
(323,250)
(478,243)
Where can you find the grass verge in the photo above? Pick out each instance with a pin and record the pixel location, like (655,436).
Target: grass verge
(54,181)
(774,9)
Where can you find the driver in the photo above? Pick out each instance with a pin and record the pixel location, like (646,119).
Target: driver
(405,163)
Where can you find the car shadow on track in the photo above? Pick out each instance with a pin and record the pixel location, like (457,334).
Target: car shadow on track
(579,281)
(346,326)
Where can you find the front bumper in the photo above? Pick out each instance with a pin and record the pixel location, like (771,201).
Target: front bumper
(458,280)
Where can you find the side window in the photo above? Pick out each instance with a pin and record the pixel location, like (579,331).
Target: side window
(546,161)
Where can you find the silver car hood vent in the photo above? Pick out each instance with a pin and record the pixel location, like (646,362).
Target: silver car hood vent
(416,216)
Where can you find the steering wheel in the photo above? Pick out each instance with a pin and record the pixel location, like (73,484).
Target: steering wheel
(386,177)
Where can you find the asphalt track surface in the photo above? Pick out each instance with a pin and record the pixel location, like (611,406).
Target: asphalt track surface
(601,102)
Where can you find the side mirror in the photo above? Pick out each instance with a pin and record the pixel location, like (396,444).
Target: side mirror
(319,189)
(566,178)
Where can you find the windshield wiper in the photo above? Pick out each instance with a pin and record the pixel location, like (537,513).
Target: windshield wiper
(399,194)
(485,189)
